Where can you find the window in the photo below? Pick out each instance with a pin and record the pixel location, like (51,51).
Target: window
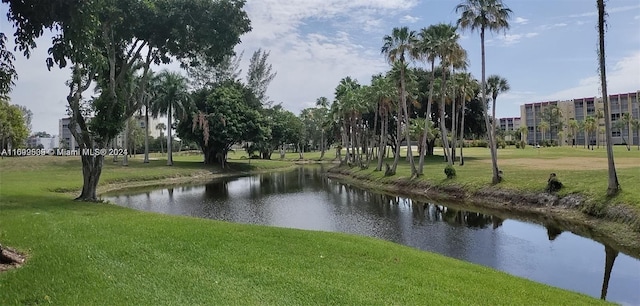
(615,133)
(615,117)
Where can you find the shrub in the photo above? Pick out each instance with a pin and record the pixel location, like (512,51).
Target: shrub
(523,144)
(450,171)
(517,145)
(480,143)
(501,144)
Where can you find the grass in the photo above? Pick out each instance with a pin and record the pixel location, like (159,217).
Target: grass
(580,170)
(84,253)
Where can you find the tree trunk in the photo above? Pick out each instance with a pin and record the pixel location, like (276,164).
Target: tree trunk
(492,146)
(403,98)
(125,143)
(91,170)
(146,134)
(169,138)
(382,147)
(322,144)
(464,106)
(454,130)
(427,118)
(613,185)
(443,127)
(396,157)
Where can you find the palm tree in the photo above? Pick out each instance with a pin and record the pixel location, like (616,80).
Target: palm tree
(574,126)
(343,98)
(613,185)
(496,85)
(397,47)
(485,15)
(466,86)
(523,130)
(543,126)
(323,104)
(599,115)
(590,126)
(171,91)
(382,92)
(161,127)
(635,125)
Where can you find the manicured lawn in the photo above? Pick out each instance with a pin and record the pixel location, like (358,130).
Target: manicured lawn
(86,254)
(580,170)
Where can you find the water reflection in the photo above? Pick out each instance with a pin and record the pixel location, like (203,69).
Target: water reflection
(305,199)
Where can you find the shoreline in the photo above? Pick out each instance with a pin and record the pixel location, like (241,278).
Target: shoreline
(543,208)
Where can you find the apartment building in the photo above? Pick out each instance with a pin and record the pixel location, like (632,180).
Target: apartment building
(509,125)
(69,142)
(532,114)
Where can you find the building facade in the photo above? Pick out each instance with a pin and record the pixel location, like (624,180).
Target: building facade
(509,125)
(67,140)
(550,121)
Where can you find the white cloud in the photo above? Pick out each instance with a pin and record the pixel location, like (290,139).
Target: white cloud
(310,65)
(609,11)
(623,77)
(409,19)
(552,26)
(520,20)
(511,39)
(636,17)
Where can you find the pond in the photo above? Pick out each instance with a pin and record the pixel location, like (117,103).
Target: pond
(306,199)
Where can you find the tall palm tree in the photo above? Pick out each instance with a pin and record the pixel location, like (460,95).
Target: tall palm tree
(496,85)
(323,104)
(467,87)
(635,125)
(613,185)
(383,92)
(161,127)
(171,92)
(590,126)
(574,127)
(543,126)
(343,98)
(484,15)
(397,47)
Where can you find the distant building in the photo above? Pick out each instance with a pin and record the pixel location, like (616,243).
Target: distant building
(509,125)
(47,143)
(67,140)
(531,115)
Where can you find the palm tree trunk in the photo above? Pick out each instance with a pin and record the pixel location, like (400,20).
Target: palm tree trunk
(443,127)
(383,138)
(169,145)
(492,146)
(614,186)
(146,134)
(396,157)
(322,143)
(454,125)
(403,98)
(427,117)
(125,144)
(462,132)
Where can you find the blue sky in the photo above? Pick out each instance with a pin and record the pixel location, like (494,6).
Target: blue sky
(549,53)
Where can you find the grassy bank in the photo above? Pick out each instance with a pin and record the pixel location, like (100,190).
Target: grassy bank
(583,173)
(83,253)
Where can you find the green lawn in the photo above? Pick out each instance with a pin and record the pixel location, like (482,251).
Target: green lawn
(86,254)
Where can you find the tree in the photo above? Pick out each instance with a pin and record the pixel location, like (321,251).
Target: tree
(170,94)
(466,86)
(574,127)
(613,185)
(8,73)
(543,126)
(220,117)
(590,128)
(396,48)
(496,85)
(322,104)
(635,125)
(13,126)
(383,93)
(42,134)
(259,75)
(107,41)
(484,15)
(202,74)
(161,127)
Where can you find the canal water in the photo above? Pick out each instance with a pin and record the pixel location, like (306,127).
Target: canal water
(306,199)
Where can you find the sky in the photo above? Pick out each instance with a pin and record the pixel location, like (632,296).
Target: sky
(549,53)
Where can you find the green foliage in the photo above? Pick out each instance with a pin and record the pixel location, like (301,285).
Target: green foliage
(13,126)
(450,171)
(221,117)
